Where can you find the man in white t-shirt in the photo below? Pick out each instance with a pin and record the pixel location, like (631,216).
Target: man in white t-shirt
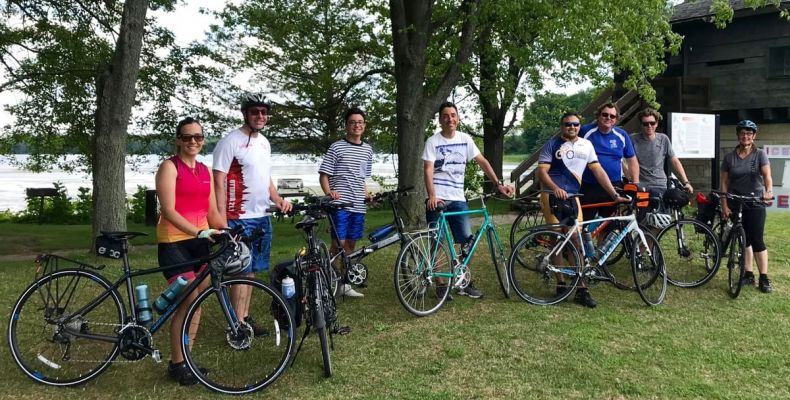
(245,190)
(444,159)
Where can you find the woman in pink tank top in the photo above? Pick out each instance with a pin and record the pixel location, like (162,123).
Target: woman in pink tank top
(188,210)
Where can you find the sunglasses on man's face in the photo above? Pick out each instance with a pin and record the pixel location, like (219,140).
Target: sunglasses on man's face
(570,124)
(607,115)
(649,123)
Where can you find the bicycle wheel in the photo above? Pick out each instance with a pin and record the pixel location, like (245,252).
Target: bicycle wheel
(326,261)
(736,262)
(499,260)
(618,266)
(691,253)
(419,289)
(326,308)
(240,363)
(542,276)
(528,218)
(43,323)
(650,275)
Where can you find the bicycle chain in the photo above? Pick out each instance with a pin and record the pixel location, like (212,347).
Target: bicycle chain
(117,359)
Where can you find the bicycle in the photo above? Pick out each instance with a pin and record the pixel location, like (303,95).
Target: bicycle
(733,239)
(427,266)
(381,237)
(691,249)
(71,323)
(545,258)
(317,279)
(530,215)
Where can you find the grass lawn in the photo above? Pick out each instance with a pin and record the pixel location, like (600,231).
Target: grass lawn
(699,344)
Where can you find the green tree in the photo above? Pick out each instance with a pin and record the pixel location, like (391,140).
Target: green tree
(519,43)
(85,70)
(320,56)
(431,42)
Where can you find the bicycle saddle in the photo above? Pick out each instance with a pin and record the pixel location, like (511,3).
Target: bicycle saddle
(120,235)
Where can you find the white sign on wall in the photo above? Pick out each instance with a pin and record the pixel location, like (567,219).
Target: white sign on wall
(693,135)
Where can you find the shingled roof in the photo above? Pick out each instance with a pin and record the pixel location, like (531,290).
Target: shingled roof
(698,9)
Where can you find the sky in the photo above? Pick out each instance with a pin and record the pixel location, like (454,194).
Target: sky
(188,24)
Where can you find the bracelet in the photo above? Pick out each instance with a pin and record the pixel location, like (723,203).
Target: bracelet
(500,183)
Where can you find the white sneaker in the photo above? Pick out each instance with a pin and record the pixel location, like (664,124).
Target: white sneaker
(347,290)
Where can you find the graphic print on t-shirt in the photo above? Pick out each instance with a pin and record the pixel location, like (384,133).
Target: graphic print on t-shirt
(453,161)
(236,189)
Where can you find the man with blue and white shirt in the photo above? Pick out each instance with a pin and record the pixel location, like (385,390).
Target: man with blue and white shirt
(561,163)
(612,144)
(342,174)
(444,160)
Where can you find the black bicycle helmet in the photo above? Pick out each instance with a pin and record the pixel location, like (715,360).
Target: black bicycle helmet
(746,124)
(255,99)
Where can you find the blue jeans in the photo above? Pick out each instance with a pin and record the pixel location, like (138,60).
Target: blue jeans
(459,224)
(261,248)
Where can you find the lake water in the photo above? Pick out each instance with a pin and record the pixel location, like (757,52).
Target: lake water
(14,181)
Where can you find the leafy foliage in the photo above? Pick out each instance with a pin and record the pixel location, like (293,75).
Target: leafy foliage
(320,56)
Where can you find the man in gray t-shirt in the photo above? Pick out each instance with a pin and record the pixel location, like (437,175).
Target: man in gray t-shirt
(653,149)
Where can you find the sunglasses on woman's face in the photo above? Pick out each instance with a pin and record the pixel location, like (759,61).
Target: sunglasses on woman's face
(188,138)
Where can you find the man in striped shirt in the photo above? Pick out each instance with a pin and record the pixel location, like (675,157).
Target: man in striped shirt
(444,160)
(346,165)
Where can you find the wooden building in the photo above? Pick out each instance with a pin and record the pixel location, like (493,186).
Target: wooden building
(739,72)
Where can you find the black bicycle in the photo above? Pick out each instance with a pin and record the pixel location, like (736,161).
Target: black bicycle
(317,279)
(71,323)
(356,272)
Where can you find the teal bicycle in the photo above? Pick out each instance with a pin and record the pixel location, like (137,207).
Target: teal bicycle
(428,265)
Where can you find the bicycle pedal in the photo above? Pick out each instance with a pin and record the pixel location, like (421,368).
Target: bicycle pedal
(156,356)
(342,330)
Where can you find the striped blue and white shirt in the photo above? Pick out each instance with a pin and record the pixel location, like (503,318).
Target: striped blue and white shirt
(348,165)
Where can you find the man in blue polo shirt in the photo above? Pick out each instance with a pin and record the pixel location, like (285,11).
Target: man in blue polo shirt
(612,144)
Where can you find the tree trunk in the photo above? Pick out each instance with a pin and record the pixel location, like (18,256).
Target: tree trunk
(411,33)
(115,94)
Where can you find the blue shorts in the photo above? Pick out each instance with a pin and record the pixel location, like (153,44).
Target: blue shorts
(348,225)
(261,248)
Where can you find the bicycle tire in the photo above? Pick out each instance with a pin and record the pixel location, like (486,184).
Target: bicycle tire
(650,275)
(499,260)
(419,290)
(243,363)
(326,262)
(326,308)
(691,253)
(529,218)
(42,346)
(736,262)
(620,269)
(533,281)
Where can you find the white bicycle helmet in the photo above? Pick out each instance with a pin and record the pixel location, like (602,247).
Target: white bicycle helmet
(234,260)
(658,220)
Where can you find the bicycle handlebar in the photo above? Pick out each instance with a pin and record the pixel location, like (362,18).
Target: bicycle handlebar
(322,203)
(749,199)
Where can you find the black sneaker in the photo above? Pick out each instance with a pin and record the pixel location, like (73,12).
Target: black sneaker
(583,297)
(256,329)
(440,290)
(181,373)
(765,284)
(471,291)
(748,279)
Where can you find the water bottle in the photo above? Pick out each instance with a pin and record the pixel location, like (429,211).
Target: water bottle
(289,292)
(610,240)
(591,226)
(169,295)
(289,288)
(144,316)
(381,233)
(589,248)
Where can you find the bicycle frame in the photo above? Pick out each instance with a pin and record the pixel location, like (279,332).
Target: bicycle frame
(443,233)
(127,278)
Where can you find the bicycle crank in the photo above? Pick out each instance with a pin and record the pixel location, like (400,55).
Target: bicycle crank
(357,275)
